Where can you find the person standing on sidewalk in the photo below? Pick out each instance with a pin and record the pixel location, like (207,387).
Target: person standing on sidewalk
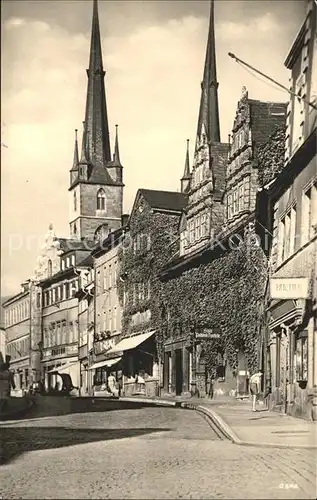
(6,382)
(255,387)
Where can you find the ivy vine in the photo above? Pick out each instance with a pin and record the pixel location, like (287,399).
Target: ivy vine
(223,294)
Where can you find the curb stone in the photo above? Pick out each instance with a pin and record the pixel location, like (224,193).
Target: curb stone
(231,435)
(158,402)
(221,425)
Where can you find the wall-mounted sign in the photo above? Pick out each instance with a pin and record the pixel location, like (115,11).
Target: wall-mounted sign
(207,333)
(289,288)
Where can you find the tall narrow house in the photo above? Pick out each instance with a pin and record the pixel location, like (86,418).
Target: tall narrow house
(95,192)
(204,210)
(184,366)
(96,180)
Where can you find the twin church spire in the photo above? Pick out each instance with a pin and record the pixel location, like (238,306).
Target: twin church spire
(96,151)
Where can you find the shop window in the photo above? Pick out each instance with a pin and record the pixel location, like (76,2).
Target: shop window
(302,356)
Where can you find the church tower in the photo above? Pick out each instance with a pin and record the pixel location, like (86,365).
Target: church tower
(96,178)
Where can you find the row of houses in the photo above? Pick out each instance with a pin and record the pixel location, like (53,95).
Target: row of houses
(194,290)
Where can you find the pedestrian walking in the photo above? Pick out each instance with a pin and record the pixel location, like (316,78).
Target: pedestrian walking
(255,387)
(112,384)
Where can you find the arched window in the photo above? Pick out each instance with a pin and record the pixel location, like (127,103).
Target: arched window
(49,268)
(75,201)
(101,200)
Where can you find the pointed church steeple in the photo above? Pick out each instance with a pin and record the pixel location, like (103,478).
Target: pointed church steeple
(208,119)
(116,155)
(96,140)
(76,157)
(185,180)
(83,155)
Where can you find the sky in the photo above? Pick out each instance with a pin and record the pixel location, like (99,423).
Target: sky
(153,54)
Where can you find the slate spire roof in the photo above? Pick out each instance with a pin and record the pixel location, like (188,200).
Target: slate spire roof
(186,175)
(97,142)
(76,157)
(116,155)
(208,118)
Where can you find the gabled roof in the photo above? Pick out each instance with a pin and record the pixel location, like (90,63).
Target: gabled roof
(164,200)
(265,118)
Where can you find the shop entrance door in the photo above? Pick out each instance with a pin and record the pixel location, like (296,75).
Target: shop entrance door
(179,371)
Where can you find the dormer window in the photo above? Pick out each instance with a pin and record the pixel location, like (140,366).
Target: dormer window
(101,200)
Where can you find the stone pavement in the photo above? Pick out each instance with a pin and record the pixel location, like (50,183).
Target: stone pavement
(263,427)
(235,419)
(147,453)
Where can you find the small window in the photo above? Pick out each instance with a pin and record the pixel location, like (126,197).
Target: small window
(114,319)
(110,320)
(192,231)
(235,202)
(75,201)
(72,259)
(241,198)
(101,200)
(229,206)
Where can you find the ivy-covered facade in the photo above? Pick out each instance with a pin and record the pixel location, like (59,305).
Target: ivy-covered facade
(147,246)
(214,289)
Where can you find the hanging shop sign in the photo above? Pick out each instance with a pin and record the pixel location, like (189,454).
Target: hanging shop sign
(289,288)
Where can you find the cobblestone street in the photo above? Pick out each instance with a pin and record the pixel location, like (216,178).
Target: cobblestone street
(143,453)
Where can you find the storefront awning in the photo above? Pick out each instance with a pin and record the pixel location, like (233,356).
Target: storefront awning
(105,362)
(64,368)
(131,342)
